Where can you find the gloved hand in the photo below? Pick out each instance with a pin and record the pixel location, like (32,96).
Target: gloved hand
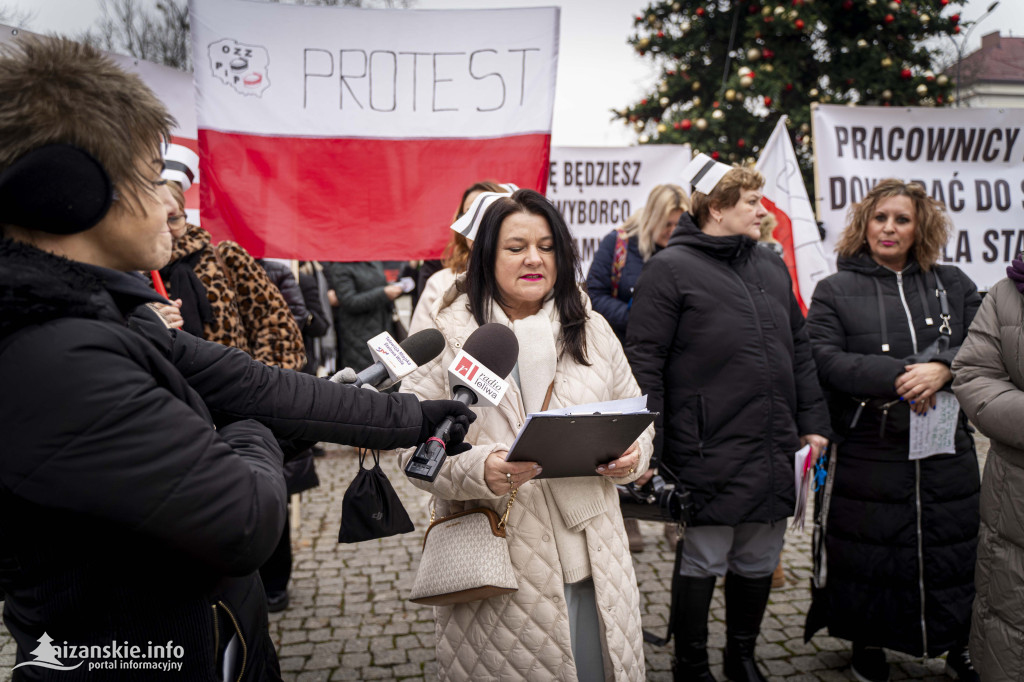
(435,412)
(349,376)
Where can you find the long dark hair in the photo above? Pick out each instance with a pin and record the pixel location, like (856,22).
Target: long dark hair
(482,287)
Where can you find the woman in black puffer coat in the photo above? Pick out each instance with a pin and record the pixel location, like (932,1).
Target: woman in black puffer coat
(900,535)
(717,341)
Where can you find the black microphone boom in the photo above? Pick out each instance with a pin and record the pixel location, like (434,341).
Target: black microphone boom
(421,347)
(496,348)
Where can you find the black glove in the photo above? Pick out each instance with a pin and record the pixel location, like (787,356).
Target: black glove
(436,411)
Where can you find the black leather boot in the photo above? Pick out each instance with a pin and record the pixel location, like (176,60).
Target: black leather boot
(690,630)
(745,602)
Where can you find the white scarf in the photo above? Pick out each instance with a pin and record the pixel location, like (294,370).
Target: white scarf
(575,500)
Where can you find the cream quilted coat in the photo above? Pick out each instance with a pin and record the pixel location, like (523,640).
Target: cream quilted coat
(525,635)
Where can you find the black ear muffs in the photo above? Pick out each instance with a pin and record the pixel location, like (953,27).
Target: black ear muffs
(58,188)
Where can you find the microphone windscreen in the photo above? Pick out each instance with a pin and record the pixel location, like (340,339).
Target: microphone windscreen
(495,347)
(424,346)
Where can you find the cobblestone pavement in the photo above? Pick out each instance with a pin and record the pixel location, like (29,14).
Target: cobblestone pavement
(349,619)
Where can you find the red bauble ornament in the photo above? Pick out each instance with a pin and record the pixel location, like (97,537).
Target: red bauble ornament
(752,9)
(956,29)
(715,155)
(847,5)
(700,11)
(714,105)
(905,74)
(889,18)
(799,23)
(797,3)
(643,101)
(677,125)
(741,143)
(632,118)
(767,101)
(955,18)
(789,87)
(661,34)
(686,124)
(670,72)
(939,99)
(943,2)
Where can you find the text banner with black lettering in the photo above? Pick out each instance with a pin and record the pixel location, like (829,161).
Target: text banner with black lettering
(972,160)
(334,133)
(597,188)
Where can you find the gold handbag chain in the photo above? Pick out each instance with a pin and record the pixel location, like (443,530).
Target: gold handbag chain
(511,499)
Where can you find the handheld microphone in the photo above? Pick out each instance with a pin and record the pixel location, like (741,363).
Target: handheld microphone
(477,375)
(395,360)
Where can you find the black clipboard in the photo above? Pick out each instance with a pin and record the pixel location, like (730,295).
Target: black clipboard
(574,445)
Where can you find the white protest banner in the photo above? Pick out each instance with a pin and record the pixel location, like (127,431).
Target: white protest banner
(597,188)
(334,133)
(171,86)
(786,197)
(972,160)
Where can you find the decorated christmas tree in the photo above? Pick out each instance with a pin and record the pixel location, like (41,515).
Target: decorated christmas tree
(730,68)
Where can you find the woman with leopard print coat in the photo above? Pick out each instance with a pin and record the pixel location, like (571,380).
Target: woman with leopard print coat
(226,297)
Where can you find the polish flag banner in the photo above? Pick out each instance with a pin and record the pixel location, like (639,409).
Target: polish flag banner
(333,133)
(785,196)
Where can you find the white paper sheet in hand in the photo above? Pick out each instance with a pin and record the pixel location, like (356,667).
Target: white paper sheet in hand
(933,432)
(802,481)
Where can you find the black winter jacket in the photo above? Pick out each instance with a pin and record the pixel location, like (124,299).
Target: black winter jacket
(615,309)
(717,341)
(896,529)
(124,515)
(281,275)
(363,311)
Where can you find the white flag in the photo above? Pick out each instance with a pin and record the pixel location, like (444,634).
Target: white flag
(786,197)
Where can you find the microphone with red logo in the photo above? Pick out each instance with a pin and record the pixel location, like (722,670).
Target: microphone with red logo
(477,376)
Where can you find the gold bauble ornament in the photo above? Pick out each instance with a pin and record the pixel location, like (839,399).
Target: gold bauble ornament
(951,97)
(925,18)
(701,123)
(676,7)
(886,94)
(664,101)
(651,19)
(744,71)
(886,62)
(862,43)
(684,27)
(768,68)
(695,86)
(753,54)
(639,125)
(872,3)
(730,95)
(894,6)
(780,10)
(644,139)
(929,75)
(805,128)
(942,79)
(663,87)
(717,114)
(813,92)
(766,11)
(922,89)
(662,128)
(696,101)
(746,81)
(643,43)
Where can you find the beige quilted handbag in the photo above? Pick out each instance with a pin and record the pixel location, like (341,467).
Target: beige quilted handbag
(465,558)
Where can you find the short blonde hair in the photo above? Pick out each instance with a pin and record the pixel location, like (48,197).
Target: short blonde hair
(663,200)
(930,235)
(55,90)
(725,194)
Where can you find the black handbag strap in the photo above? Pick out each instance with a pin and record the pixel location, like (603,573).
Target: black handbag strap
(940,293)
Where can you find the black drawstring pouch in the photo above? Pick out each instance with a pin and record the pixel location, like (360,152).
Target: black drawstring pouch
(371,508)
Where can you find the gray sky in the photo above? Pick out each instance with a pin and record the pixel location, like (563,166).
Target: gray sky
(597,69)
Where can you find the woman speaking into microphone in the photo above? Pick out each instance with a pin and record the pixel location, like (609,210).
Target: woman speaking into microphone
(576,614)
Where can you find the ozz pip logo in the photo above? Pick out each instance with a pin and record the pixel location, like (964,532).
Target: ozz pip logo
(467,368)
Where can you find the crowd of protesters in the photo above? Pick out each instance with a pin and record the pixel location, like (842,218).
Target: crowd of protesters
(155,441)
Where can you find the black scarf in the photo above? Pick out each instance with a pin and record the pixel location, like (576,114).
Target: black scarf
(182,283)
